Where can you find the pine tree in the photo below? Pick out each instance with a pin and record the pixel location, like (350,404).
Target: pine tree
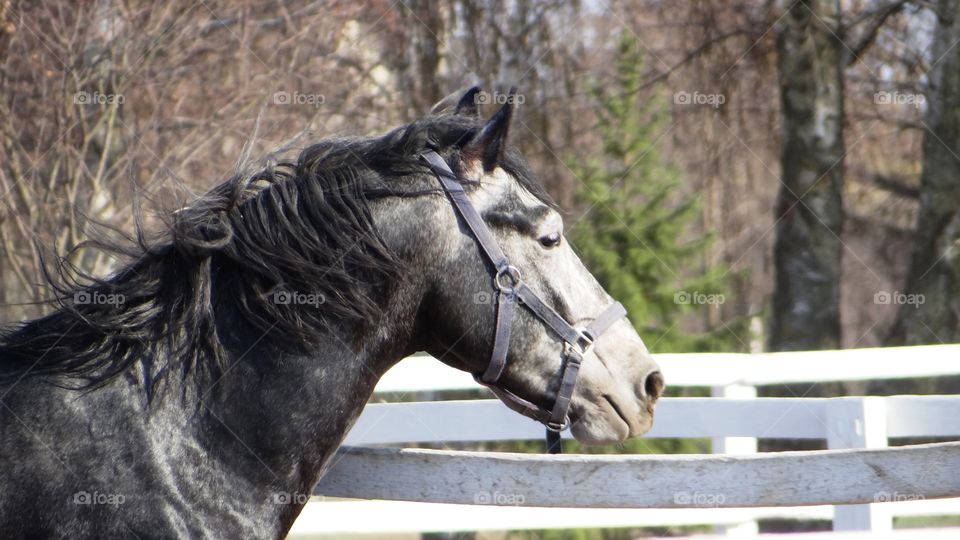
(634,230)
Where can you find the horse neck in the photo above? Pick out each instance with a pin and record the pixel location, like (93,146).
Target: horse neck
(275,418)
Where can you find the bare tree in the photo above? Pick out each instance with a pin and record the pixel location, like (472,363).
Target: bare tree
(933,315)
(806,302)
(104,101)
(814,48)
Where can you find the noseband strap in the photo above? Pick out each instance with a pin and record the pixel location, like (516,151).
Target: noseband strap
(510,290)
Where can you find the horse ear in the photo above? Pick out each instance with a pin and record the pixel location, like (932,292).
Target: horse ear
(467,106)
(466,103)
(489,144)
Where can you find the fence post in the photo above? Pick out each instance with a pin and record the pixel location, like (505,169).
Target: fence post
(859,422)
(735,445)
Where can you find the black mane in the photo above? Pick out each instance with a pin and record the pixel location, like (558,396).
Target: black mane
(301,226)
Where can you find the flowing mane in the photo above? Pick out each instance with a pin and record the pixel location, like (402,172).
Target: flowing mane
(298,226)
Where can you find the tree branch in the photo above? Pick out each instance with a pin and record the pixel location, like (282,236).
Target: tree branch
(690,56)
(873,19)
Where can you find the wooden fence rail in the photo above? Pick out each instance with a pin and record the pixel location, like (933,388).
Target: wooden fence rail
(794,418)
(423,373)
(675,481)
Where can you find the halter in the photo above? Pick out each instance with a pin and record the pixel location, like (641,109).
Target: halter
(510,289)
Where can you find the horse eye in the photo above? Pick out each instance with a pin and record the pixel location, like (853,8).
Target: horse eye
(551,240)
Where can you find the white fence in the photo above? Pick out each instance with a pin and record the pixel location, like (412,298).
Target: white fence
(731,490)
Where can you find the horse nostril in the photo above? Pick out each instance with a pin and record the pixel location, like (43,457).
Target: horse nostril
(653,386)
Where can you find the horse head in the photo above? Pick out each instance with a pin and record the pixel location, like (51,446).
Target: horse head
(461,317)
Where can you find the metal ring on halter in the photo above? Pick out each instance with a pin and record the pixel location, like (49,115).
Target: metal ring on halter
(511,272)
(558,428)
(584,341)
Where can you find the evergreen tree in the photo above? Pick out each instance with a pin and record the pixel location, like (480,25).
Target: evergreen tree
(634,230)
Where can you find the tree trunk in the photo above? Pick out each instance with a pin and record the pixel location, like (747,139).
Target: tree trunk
(935,267)
(807,253)
(424,26)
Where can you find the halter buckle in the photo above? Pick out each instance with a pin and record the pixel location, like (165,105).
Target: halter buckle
(511,272)
(584,341)
(558,428)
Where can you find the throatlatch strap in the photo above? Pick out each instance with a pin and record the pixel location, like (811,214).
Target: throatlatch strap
(517,403)
(506,302)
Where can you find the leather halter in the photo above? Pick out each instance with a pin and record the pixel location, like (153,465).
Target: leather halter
(510,290)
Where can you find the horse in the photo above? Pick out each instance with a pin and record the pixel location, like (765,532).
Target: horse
(202,388)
